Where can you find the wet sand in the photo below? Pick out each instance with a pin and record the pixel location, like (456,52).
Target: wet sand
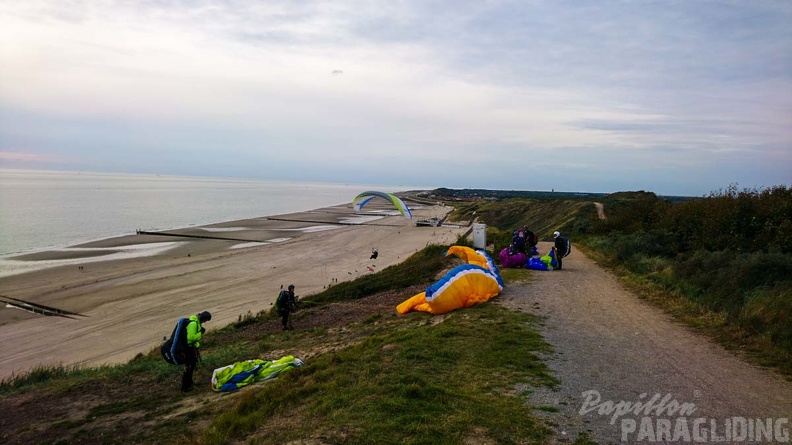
(128,305)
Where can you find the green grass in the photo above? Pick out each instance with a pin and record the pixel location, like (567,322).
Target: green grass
(517,276)
(410,382)
(419,268)
(375,378)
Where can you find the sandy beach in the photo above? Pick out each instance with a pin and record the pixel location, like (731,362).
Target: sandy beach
(126,304)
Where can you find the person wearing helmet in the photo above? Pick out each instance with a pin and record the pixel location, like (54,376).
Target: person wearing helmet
(194,334)
(562,247)
(285,305)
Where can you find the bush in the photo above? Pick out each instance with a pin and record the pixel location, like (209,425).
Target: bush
(723,278)
(659,243)
(745,221)
(768,310)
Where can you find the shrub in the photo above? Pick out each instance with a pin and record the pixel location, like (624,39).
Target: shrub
(655,243)
(722,279)
(769,310)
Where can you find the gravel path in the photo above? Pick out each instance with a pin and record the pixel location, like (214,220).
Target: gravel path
(607,340)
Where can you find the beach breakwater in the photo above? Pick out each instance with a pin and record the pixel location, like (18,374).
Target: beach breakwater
(132,303)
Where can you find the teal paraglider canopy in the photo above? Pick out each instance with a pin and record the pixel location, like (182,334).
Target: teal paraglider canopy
(363,199)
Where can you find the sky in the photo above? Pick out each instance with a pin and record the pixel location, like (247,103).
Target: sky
(674,97)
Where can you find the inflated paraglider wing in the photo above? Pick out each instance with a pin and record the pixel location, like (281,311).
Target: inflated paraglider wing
(363,199)
(478,257)
(462,287)
(468,255)
(415,303)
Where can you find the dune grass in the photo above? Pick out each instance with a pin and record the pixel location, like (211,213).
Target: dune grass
(414,379)
(370,377)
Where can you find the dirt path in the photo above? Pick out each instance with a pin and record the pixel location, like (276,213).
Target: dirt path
(609,341)
(600,210)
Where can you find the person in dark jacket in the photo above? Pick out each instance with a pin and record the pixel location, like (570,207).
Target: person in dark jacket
(518,242)
(286,305)
(530,241)
(194,334)
(562,247)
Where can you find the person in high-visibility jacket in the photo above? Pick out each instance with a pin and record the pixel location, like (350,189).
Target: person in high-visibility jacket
(194,333)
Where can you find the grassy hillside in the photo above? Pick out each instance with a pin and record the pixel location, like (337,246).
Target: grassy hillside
(373,377)
(722,263)
(369,377)
(542,216)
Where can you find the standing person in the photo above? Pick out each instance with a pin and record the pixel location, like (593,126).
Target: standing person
(530,241)
(286,304)
(183,346)
(194,333)
(562,247)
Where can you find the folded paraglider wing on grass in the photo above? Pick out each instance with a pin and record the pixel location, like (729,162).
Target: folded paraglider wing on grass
(239,374)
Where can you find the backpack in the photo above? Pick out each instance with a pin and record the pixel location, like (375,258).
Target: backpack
(175,349)
(563,246)
(282,303)
(531,238)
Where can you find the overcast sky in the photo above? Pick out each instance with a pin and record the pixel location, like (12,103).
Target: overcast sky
(674,97)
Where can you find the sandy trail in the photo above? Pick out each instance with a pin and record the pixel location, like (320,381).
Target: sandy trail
(131,304)
(608,340)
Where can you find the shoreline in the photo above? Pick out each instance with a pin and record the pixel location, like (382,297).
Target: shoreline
(131,303)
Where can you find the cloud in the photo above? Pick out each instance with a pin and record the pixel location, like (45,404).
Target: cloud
(26,157)
(248,83)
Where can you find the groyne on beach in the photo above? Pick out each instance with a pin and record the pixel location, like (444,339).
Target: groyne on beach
(130,304)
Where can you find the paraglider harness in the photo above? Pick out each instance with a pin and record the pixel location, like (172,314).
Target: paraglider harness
(285,303)
(563,246)
(175,350)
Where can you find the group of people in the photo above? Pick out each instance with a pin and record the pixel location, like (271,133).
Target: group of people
(553,260)
(183,347)
(521,251)
(523,241)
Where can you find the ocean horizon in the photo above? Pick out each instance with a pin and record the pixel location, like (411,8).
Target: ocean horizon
(47,209)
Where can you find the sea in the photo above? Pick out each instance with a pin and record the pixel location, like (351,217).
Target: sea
(44,210)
